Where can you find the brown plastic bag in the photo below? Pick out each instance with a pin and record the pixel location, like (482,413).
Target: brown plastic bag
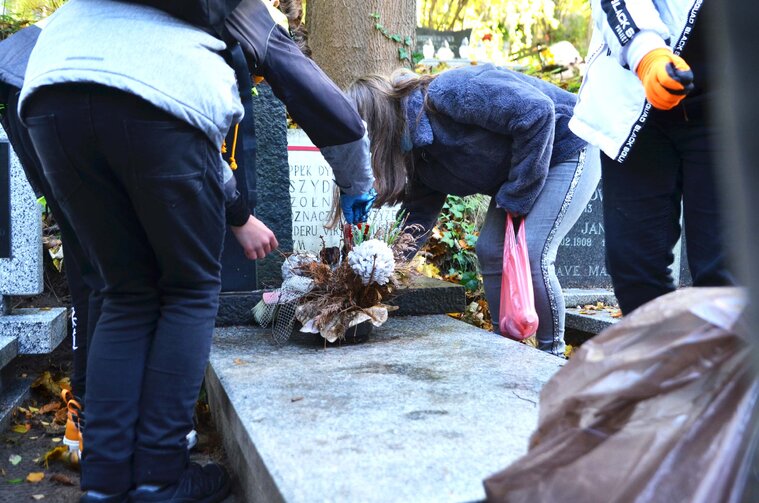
(658,408)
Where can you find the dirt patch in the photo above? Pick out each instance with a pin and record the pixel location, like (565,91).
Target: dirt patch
(34,432)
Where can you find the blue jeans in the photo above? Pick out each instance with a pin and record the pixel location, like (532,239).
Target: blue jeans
(671,165)
(566,193)
(143,193)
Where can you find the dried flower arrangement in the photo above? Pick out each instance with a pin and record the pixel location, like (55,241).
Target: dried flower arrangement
(341,288)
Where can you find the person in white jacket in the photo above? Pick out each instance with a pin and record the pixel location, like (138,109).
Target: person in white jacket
(646,102)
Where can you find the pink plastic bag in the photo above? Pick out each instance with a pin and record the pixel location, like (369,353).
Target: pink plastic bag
(518,317)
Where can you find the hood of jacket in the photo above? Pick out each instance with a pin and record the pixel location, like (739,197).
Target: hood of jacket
(14,55)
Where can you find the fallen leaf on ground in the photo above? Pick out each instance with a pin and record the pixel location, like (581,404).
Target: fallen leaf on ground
(296,399)
(38,497)
(21,428)
(569,351)
(33,410)
(60,416)
(50,407)
(53,455)
(238,361)
(57,440)
(46,383)
(15,481)
(59,478)
(35,477)
(531,341)
(14,459)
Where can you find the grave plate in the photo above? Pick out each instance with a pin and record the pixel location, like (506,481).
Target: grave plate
(423,411)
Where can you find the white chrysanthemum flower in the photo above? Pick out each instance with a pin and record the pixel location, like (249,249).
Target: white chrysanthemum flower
(291,263)
(372,261)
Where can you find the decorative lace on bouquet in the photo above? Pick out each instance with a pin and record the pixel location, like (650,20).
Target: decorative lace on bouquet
(336,291)
(277,308)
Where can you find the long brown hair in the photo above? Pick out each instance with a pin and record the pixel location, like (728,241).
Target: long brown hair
(293,11)
(378,101)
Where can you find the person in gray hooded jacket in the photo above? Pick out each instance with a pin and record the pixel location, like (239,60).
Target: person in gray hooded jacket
(484,130)
(127,108)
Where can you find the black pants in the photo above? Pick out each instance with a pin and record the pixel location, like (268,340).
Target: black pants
(83,280)
(143,191)
(671,164)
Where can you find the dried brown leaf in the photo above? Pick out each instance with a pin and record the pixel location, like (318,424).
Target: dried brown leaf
(50,407)
(61,479)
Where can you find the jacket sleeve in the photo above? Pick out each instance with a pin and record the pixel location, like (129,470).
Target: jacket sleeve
(313,100)
(236,211)
(421,208)
(505,105)
(631,28)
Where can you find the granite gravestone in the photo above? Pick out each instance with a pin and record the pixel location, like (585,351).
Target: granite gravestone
(36,330)
(580,262)
(5,202)
(311,193)
(273,204)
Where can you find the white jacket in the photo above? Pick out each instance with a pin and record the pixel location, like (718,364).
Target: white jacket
(612,107)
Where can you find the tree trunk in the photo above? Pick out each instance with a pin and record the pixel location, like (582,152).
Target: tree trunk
(347,40)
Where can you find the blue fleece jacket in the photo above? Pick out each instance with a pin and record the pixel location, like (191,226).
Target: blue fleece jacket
(486,130)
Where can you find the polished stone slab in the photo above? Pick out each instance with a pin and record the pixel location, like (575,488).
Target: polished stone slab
(423,411)
(8,349)
(38,330)
(590,323)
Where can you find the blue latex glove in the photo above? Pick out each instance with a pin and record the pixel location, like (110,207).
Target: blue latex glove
(356,207)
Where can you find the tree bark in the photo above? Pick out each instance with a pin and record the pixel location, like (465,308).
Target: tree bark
(345,42)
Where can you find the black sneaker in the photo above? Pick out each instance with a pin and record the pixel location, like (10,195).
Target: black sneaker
(198,484)
(115,498)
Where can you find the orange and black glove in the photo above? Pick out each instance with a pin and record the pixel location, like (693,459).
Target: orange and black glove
(667,78)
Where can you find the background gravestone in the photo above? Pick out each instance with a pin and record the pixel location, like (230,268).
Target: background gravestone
(272,185)
(454,38)
(5,202)
(311,193)
(21,270)
(581,262)
(25,331)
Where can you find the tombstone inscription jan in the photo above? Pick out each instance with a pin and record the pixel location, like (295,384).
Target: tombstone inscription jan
(580,262)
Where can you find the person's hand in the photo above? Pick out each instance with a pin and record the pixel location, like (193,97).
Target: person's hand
(667,78)
(256,239)
(356,207)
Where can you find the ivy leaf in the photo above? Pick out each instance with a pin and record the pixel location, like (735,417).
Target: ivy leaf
(14,459)
(402,54)
(407,41)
